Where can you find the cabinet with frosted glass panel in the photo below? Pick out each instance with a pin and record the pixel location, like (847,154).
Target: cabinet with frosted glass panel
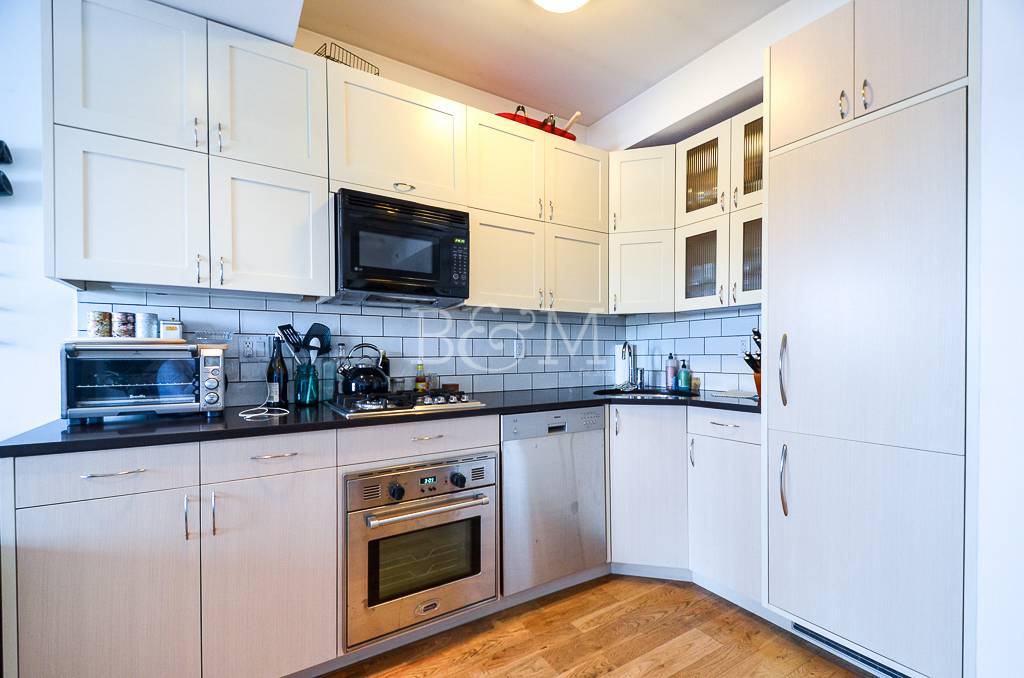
(718,261)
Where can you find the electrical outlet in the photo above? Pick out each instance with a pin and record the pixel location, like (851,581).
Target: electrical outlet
(519,348)
(744,345)
(252,347)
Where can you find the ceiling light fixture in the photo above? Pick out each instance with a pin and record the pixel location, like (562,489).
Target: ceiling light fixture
(560,6)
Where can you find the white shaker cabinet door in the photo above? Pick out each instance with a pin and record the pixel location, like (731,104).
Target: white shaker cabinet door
(576,269)
(128,211)
(268,102)
(269,229)
(270,588)
(642,189)
(506,165)
(641,272)
(506,261)
(576,184)
(109,588)
(866,542)
(906,47)
(134,69)
(396,138)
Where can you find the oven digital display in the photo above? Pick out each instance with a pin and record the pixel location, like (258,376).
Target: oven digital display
(211,361)
(428,480)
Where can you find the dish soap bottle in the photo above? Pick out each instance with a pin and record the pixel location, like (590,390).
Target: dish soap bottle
(671,370)
(421,378)
(683,378)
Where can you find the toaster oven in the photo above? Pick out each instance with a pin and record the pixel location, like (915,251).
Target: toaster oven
(106,379)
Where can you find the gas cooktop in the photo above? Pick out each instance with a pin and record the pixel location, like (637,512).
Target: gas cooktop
(405,402)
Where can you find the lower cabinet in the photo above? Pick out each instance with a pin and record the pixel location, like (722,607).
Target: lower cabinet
(866,542)
(724,513)
(109,588)
(269,574)
(648,485)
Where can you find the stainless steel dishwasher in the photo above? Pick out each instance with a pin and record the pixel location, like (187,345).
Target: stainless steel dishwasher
(552,496)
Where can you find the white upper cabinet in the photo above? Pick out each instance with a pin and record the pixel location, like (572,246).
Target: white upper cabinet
(905,47)
(812,78)
(702,264)
(506,165)
(747,163)
(130,68)
(641,272)
(642,189)
(576,269)
(702,175)
(508,261)
(269,229)
(576,184)
(128,211)
(396,138)
(745,268)
(268,102)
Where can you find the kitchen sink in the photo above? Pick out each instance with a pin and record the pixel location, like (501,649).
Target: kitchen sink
(640,394)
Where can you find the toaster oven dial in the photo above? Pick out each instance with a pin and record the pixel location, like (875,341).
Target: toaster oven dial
(211,398)
(211,384)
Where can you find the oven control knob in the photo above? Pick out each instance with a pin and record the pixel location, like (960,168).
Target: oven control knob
(458,480)
(396,491)
(211,398)
(211,384)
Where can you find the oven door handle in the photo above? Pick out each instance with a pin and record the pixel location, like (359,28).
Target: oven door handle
(373,521)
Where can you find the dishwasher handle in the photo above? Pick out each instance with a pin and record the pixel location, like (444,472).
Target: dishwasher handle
(556,428)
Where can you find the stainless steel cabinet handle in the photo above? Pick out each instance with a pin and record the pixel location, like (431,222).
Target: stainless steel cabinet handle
(721,201)
(540,298)
(782,481)
(783,344)
(418,439)
(221,261)
(551,299)
(734,293)
(133,471)
(718,423)
(373,521)
(199,258)
(213,513)
(540,208)
(864,94)
(615,302)
(736,196)
(615,221)
(617,421)
(195,131)
(399,184)
(274,456)
(551,210)
(692,465)
(843,108)
(220,139)
(721,294)
(186,517)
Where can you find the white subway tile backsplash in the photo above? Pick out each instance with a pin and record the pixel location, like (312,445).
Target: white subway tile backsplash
(726,345)
(260,322)
(163,312)
(706,328)
(689,346)
(218,319)
(291,305)
(400,327)
(198,300)
(100,293)
(364,325)
(705,363)
(487,382)
(302,321)
(739,326)
(488,347)
(648,332)
(675,330)
(722,313)
(384,311)
(712,381)
(517,382)
(439,327)
(545,380)
(419,347)
(248,303)
(569,379)
(556,363)
(735,364)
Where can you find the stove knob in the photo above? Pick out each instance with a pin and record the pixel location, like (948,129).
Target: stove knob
(453,398)
(396,491)
(458,480)
(464,397)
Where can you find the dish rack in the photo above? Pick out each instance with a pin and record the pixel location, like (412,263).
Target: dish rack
(335,52)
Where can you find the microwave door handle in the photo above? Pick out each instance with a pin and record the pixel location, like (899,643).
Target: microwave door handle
(373,521)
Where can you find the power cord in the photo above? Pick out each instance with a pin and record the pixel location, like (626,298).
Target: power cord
(262,412)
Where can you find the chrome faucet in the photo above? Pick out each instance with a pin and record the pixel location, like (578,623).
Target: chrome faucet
(628,352)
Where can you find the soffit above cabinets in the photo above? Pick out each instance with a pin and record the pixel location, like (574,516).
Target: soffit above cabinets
(593,60)
(274,19)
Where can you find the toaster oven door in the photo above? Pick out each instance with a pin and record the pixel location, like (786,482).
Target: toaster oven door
(112,379)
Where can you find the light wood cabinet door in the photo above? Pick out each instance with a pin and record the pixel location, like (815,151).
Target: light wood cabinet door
(724,513)
(128,211)
(641,272)
(576,184)
(506,261)
(269,229)
(811,87)
(506,165)
(134,69)
(745,258)
(892,260)
(870,545)
(702,174)
(396,138)
(906,47)
(746,165)
(576,269)
(268,102)
(642,189)
(270,558)
(702,265)
(109,588)
(648,520)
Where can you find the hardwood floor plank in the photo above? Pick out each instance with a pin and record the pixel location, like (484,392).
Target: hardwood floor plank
(666,659)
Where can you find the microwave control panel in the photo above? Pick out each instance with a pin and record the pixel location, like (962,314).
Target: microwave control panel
(460,262)
(211,378)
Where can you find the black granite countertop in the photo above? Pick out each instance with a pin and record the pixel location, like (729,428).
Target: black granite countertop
(57,437)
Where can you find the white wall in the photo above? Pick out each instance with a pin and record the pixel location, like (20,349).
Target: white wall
(1000,490)
(714,75)
(36,314)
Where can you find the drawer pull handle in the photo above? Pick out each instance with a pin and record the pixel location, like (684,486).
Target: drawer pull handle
(403,187)
(718,423)
(213,514)
(693,465)
(782,480)
(186,517)
(420,439)
(133,471)
(259,457)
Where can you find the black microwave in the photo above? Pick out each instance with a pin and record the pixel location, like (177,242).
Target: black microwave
(397,252)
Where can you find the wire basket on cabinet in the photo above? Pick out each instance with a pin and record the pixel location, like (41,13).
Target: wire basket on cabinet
(335,52)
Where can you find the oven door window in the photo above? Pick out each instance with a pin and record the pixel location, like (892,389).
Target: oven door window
(418,561)
(124,381)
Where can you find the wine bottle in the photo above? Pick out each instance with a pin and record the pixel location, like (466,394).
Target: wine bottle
(277,378)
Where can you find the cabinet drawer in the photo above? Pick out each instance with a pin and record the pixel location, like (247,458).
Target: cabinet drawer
(744,427)
(377,443)
(57,478)
(222,460)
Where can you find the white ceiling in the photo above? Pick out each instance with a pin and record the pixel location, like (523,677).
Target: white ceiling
(593,60)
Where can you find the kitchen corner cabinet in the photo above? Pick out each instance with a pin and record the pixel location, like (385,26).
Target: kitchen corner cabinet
(508,261)
(576,269)
(129,211)
(268,102)
(110,587)
(642,189)
(576,184)
(702,174)
(702,265)
(269,229)
(134,69)
(269,577)
(396,138)
(745,258)
(641,272)
(506,165)
(647,474)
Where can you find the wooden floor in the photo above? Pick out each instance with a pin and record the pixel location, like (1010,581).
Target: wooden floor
(614,626)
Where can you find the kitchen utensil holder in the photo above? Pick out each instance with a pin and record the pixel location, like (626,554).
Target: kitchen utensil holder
(307,384)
